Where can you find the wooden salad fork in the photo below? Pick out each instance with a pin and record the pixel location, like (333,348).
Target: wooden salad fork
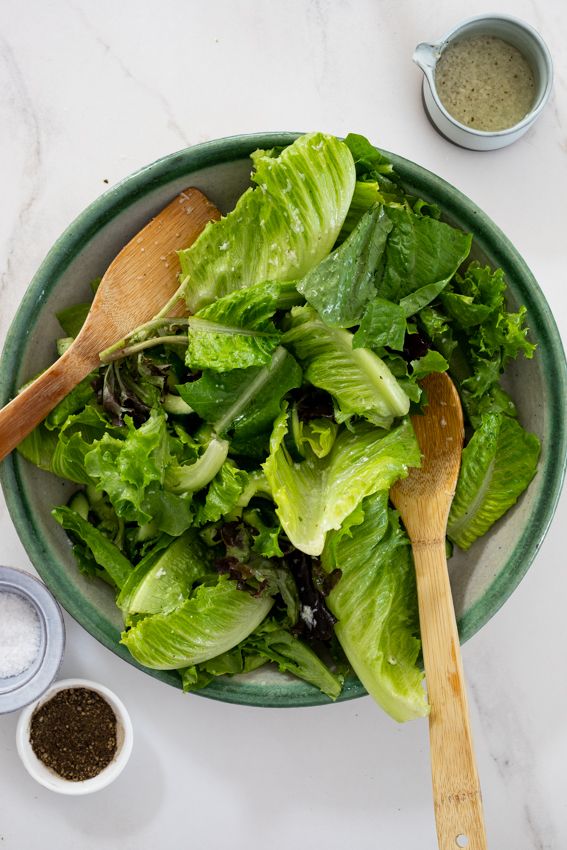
(423,500)
(139,282)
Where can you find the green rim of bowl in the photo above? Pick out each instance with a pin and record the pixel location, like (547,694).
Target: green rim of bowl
(417,180)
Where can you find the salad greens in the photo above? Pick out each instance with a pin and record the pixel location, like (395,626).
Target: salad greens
(374,603)
(235,464)
(318,493)
(280,229)
(357,379)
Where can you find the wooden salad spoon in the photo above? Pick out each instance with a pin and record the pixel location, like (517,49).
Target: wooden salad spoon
(423,500)
(139,282)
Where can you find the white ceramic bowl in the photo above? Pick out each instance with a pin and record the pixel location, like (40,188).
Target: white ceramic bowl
(519,35)
(47,777)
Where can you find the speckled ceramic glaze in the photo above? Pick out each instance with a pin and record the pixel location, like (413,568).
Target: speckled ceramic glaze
(482,579)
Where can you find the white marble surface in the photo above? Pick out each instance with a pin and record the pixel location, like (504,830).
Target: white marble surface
(91,91)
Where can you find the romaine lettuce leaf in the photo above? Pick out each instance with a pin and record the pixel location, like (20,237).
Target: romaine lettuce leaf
(494,400)
(80,397)
(318,435)
(421,251)
(357,378)
(72,318)
(213,620)
(420,298)
(366,194)
(342,284)
(235,332)
(230,663)
(375,603)
(244,401)
(294,656)
(192,477)
(105,553)
(497,465)
(383,324)
(278,230)
(367,158)
(162,580)
(40,447)
(317,494)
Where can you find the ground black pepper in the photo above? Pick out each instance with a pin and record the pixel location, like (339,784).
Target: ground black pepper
(74,733)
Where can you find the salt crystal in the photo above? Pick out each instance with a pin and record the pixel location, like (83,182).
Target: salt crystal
(307,615)
(19,634)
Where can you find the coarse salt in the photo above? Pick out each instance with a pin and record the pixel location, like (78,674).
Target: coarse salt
(19,634)
(307,615)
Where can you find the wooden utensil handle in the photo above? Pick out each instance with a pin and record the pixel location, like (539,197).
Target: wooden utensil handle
(30,407)
(456,788)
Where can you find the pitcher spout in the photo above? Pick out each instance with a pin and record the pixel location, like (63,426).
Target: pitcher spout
(425,56)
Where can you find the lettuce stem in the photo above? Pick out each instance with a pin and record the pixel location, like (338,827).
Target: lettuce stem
(147,343)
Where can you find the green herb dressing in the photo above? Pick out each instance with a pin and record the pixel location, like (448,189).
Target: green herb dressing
(485,83)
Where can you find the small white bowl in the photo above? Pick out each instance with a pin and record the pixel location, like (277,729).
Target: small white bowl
(47,777)
(517,33)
